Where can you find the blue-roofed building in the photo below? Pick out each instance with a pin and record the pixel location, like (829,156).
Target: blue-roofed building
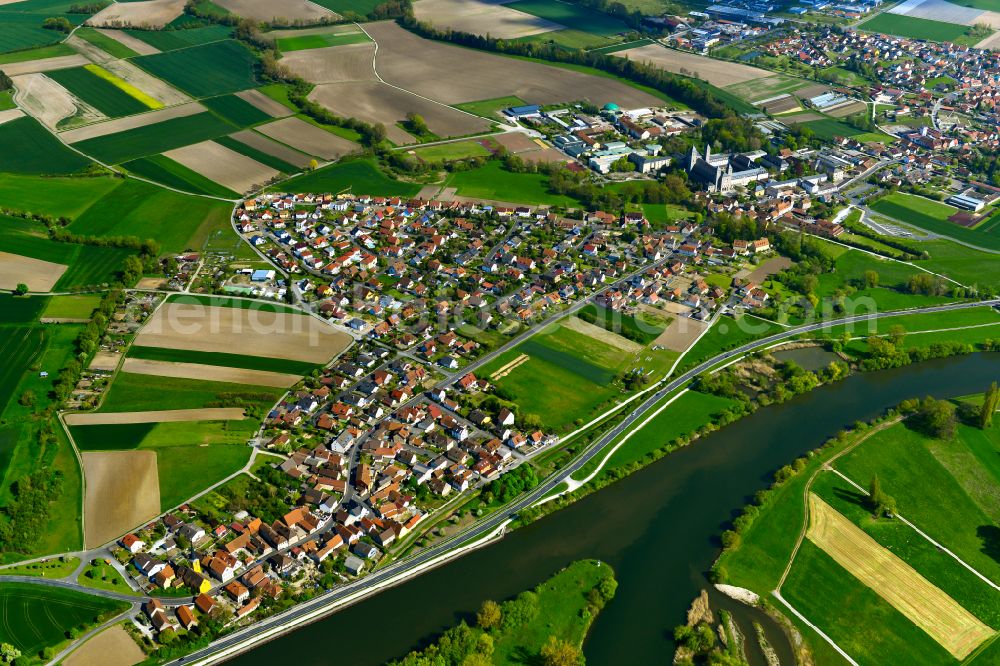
(527,111)
(261,275)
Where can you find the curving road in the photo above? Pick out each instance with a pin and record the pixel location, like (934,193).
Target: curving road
(292,618)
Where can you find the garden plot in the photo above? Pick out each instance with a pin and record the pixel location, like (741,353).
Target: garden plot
(44,65)
(265,103)
(37,274)
(50,103)
(717,72)
(454,75)
(333,64)
(132,122)
(210,373)
(237,330)
(308,138)
(272,148)
(377,102)
(125,39)
(266,10)
(145,14)
(122,491)
(481,17)
(165,416)
(224,166)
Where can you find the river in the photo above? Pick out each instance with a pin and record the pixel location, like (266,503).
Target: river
(658,528)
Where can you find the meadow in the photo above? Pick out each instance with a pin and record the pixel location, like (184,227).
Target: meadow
(30,149)
(932,216)
(457,150)
(151,139)
(39,53)
(71,307)
(968,266)
(494,182)
(176,221)
(220,359)
(726,333)
(206,70)
(914,28)
(171,173)
(572,16)
(36,617)
(98,92)
(361,176)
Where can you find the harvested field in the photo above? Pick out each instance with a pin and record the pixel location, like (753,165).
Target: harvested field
(802,117)
(37,274)
(781,104)
(454,75)
(106,361)
(132,122)
(333,64)
(125,39)
(377,102)
(93,53)
(812,91)
(548,155)
(598,333)
(480,17)
(209,372)
(146,82)
(680,333)
(517,142)
(847,110)
(769,268)
(717,72)
(245,331)
(50,103)
(146,14)
(224,166)
(265,103)
(123,491)
(112,647)
(272,148)
(151,283)
(266,10)
(165,416)
(44,65)
(948,623)
(10,114)
(310,139)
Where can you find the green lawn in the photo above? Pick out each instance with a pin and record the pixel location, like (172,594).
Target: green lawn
(572,16)
(489,108)
(913,323)
(933,216)
(493,182)
(36,617)
(185,471)
(102,576)
(914,28)
(226,360)
(361,176)
(663,214)
(57,567)
(135,393)
(72,307)
(29,148)
(457,150)
(303,42)
(206,70)
(162,169)
(641,327)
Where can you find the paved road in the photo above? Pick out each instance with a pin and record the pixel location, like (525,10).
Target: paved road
(486,526)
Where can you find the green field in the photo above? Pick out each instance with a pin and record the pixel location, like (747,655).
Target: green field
(968,266)
(573,39)
(259,155)
(152,139)
(766,87)
(226,360)
(457,150)
(135,393)
(933,216)
(641,327)
(208,70)
(349,7)
(71,307)
(727,333)
(827,128)
(30,149)
(88,265)
(21,346)
(303,42)
(176,221)
(187,470)
(105,43)
(914,28)
(572,16)
(362,176)
(488,108)
(171,40)
(162,169)
(493,182)
(58,197)
(20,31)
(665,213)
(39,53)
(231,302)
(36,617)
(236,110)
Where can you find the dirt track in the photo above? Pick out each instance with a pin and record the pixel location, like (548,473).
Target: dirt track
(37,274)
(924,604)
(112,647)
(453,75)
(123,491)
(236,330)
(481,17)
(209,372)
(224,166)
(308,138)
(166,416)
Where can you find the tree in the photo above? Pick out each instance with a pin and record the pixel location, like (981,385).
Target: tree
(60,23)
(558,652)
(871,278)
(935,418)
(313,164)
(489,615)
(27,399)
(416,124)
(879,502)
(990,403)
(21,289)
(8,653)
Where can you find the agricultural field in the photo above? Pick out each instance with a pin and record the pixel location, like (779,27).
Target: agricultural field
(490,108)
(262,363)
(106,43)
(99,92)
(308,138)
(828,128)
(933,216)
(30,149)
(716,72)
(133,393)
(362,176)
(236,110)
(114,641)
(151,13)
(122,492)
(576,17)
(283,10)
(322,40)
(493,182)
(481,17)
(265,151)
(232,170)
(36,617)
(348,7)
(171,40)
(914,28)
(456,150)
(151,139)
(71,307)
(206,70)
(172,173)
(19,31)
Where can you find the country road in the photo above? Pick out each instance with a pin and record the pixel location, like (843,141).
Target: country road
(329,602)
